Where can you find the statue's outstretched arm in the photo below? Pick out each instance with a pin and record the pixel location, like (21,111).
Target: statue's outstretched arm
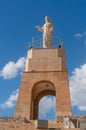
(39,28)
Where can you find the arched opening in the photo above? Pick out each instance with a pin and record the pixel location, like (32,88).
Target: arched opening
(47,108)
(40,89)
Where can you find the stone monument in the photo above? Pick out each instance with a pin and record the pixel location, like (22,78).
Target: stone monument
(44,67)
(45,74)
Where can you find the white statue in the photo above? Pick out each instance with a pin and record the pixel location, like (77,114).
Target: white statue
(47,30)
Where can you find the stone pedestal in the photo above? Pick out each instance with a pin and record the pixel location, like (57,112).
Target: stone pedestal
(45,74)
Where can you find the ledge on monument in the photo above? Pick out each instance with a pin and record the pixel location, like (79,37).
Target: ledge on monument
(46,59)
(60,124)
(13,119)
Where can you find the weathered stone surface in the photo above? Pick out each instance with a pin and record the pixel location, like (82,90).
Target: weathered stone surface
(29,126)
(49,59)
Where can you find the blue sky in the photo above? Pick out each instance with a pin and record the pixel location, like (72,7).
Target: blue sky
(18,19)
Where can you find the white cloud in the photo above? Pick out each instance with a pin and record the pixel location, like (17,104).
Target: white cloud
(78,35)
(11,69)
(10,103)
(78,87)
(46,105)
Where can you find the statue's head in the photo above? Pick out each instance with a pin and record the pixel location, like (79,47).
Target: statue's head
(47,19)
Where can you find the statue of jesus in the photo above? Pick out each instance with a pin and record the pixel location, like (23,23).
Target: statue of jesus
(47,30)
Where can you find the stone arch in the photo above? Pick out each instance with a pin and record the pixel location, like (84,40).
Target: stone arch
(39,90)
